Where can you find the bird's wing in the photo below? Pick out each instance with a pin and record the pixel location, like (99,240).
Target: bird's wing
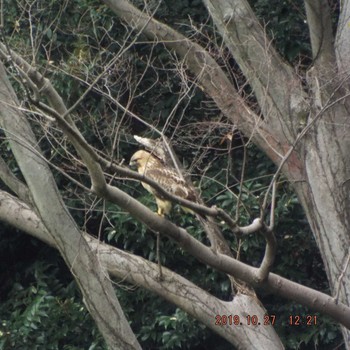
(171,182)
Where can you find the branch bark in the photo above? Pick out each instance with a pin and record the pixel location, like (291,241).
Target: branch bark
(342,42)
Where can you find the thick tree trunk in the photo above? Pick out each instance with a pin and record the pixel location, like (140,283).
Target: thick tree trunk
(325,198)
(97,289)
(319,168)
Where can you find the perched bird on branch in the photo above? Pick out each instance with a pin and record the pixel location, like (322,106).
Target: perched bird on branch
(167,177)
(157,165)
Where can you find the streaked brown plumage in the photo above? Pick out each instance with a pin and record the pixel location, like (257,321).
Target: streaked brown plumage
(166,177)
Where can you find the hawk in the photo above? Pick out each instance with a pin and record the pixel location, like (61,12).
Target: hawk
(165,176)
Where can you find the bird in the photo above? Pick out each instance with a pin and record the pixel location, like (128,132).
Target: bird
(166,177)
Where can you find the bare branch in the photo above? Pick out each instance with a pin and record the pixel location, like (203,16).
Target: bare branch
(31,224)
(340,279)
(320,27)
(270,253)
(271,78)
(13,183)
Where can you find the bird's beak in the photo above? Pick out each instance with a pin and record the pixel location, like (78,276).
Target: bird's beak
(132,163)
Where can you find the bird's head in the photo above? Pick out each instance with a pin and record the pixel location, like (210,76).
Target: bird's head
(140,159)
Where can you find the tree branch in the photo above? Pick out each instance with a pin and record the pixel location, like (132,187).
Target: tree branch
(320,27)
(13,183)
(342,47)
(22,217)
(270,77)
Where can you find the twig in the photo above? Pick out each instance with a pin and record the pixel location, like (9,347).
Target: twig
(340,279)
(273,205)
(269,256)
(158,257)
(241,180)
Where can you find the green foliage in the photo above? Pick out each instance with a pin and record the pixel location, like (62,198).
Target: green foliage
(180,331)
(41,307)
(286,23)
